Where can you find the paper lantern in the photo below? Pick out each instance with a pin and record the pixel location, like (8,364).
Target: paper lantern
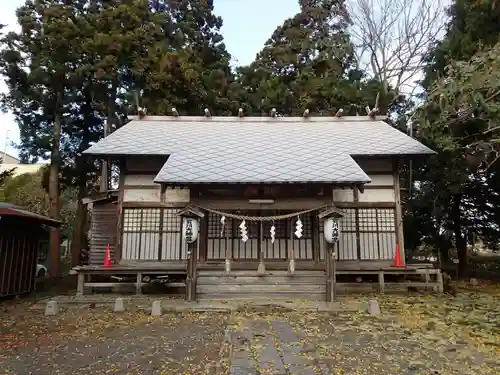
(190,229)
(331,230)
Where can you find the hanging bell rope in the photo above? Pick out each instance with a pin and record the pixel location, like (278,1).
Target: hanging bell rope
(260,218)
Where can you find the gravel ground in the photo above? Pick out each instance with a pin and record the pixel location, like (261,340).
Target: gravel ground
(93,341)
(413,335)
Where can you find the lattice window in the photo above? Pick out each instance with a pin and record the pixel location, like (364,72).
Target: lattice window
(171,221)
(218,244)
(386,220)
(367,220)
(282,228)
(285,228)
(377,233)
(145,238)
(366,234)
(348,221)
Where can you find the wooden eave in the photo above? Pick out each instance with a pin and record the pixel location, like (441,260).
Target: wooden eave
(110,195)
(191,210)
(332,211)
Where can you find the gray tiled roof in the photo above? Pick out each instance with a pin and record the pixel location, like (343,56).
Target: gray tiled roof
(259,149)
(257,165)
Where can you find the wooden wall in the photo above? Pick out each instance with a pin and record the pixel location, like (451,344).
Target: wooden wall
(148,230)
(19,244)
(102,231)
(380,190)
(141,188)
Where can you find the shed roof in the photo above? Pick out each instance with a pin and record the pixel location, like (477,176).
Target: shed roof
(259,149)
(7,209)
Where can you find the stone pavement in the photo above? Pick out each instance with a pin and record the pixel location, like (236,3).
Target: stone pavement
(292,343)
(414,339)
(269,348)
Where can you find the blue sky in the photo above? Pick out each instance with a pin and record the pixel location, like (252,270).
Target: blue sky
(247,26)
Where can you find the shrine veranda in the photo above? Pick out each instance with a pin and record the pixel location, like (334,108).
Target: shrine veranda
(232,207)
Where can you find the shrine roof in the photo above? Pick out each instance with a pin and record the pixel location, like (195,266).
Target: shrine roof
(259,149)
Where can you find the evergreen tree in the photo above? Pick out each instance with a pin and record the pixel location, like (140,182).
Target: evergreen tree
(308,63)
(39,65)
(458,189)
(192,72)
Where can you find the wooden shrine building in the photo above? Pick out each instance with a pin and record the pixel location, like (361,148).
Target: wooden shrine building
(273,173)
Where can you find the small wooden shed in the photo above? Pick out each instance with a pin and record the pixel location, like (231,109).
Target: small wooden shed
(21,233)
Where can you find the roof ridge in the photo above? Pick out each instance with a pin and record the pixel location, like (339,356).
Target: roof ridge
(258,119)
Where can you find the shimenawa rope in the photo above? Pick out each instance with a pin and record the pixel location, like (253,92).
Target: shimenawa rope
(261,218)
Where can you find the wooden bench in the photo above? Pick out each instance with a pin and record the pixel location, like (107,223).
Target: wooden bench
(426,271)
(138,269)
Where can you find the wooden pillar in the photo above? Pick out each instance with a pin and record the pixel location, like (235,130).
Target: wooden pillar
(191,273)
(329,270)
(331,237)
(261,269)
(203,246)
(398,211)
(161,223)
(315,239)
(333,255)
(190,235)
(356,219)
(119,213)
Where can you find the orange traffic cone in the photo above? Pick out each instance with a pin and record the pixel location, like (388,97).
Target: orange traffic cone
(398,261)
(107,257)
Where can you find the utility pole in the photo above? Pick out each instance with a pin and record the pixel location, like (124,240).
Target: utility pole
(103,186)
(410,174)
(7,131)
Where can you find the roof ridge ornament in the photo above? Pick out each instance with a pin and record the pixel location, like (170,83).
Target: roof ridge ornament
(141,112)
(174,112)
(207,113)
(372,113)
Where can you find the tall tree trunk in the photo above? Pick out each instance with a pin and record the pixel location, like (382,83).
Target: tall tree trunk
(444,249)
(460,240)
(54,209)
(77,242)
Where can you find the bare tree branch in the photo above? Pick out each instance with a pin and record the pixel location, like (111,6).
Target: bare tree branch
(392,36)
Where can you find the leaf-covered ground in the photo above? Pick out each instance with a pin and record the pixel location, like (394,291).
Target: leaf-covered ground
(413,335)
(98,341)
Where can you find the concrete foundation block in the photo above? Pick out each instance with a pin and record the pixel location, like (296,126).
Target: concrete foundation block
(119,305)
(156,309)
(373,307)
(52,308)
